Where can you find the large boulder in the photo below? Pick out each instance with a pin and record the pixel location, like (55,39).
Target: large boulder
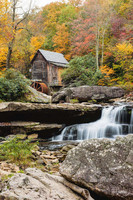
(103,166)
(37,97)
(85,93)
(37,185)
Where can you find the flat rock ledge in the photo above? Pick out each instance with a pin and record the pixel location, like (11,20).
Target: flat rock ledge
(49,113)
(19,106)
(103,166)
(27,128)
(37,185)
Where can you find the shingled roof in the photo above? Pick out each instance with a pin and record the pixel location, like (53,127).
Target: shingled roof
(54,57)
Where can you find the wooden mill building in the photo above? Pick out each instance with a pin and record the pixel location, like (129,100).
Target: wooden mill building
(47,67)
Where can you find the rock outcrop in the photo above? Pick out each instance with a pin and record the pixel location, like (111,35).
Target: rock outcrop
(37,97)
(103,166)
(37,185)
(86,93)
(44,131)
(48,113)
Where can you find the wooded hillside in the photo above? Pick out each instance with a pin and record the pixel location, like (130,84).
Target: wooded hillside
(100,29)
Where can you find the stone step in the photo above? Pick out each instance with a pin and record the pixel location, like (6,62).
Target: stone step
(43,130)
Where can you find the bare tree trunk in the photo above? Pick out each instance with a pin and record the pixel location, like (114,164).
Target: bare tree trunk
(10,45)
(9,54)
(8,57)
(97,38)
(97,49)
(102,47)
(15,24)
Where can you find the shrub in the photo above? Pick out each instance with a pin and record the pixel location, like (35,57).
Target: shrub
(81,71)
(13,85)
(17,151)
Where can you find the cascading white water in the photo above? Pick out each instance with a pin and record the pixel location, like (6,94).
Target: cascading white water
(109,125)
(130,130)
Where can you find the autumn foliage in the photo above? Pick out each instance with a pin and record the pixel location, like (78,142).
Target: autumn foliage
(102,29)
(107,76)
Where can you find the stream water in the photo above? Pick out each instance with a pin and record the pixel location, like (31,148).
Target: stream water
(114,121)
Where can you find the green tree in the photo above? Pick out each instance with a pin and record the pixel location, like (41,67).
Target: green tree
(51,14)
(81,71)
(13,85)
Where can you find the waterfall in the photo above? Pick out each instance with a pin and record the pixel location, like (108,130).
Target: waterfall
(113,122)
(130,130)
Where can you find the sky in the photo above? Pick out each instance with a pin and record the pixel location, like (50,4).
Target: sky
(38,3)
(41,3)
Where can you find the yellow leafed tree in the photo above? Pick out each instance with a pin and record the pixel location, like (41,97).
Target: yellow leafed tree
(124,49)
(4,32)
(124,58)
(36,43)
(61,41)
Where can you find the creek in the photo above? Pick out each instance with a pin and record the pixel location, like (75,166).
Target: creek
(114,121)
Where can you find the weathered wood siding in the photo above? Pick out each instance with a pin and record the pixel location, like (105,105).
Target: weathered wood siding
(39,68)
(53,74)
(46,72)
(60,70)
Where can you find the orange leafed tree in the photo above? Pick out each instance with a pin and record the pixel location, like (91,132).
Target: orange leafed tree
(107,78)
(61,41)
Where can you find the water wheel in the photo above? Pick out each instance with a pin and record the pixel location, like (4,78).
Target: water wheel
(39,86)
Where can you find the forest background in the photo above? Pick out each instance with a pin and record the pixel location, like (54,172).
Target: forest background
(96,36)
